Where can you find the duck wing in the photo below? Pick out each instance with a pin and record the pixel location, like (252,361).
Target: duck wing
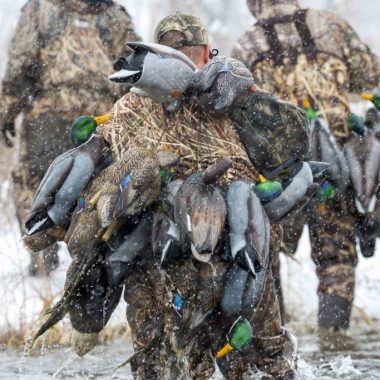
(139,188)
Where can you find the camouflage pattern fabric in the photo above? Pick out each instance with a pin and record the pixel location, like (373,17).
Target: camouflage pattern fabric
(59,60)
(200,140)
(316,55)
(149,294)
(337,64)
(334,248)
(191,27)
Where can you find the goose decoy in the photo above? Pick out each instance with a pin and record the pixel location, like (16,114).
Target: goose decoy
(161,72)
(374,98)
(239,337)
(200,211)
(61,186)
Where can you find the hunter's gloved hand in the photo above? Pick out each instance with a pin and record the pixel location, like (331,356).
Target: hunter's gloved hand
(9,133)
(220,83)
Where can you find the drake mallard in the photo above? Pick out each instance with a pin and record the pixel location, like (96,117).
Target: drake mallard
(84,126)
(249,230)
(64,181)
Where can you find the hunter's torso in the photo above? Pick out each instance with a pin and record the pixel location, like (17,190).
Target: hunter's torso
(74,61)
(304,54)
(200,139)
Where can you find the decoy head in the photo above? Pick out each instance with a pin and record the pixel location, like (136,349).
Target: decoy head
(84,126)
(161,72)
(210,84)
(239,337)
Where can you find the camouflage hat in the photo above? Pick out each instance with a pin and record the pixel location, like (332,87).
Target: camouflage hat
(193,31)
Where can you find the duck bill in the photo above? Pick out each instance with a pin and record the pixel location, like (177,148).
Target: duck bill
(366,96)
(224,351)
(122,76)
(103,118)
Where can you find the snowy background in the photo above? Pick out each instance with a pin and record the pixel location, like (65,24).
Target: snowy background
(22,298)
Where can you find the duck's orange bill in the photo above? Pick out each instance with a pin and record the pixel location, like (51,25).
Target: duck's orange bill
(262,178)
(305,103)
(224,351)
(366,96)
(103,118)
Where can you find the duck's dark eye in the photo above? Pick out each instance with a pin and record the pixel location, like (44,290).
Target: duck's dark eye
(119,63)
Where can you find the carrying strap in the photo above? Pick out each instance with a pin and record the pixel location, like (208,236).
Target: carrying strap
(276,51)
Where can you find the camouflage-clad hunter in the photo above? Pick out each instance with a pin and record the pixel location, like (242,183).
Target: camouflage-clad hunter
(307,54)
(59,60)
(201,139)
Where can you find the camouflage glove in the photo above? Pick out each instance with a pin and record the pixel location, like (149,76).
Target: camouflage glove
(271,131)
(221,83)
(9,132)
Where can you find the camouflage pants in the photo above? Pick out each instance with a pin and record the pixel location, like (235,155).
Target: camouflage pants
(332,235)
(333,250)
(180,355)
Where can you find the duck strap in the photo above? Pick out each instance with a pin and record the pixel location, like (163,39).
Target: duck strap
(277,52)
(308,44)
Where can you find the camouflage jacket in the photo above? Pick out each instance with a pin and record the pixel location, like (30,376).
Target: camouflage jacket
(200,138)
(60,57)
(296,54)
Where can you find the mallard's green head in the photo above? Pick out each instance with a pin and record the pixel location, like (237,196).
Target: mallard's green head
(239,337)
(325,191)
(84,126)
(267,190)
(356,124)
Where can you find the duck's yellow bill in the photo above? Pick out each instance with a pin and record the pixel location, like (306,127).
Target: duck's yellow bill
(224,351)
(306,103)
(103,118)
(366,96)
(262,178)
